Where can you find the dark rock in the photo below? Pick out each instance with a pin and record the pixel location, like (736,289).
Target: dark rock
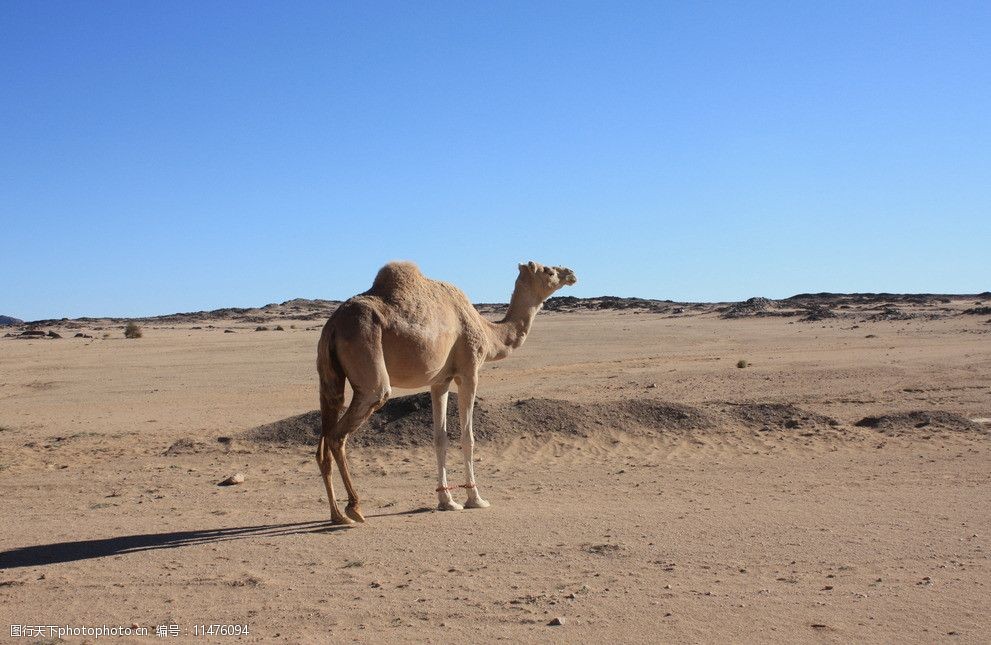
(817,312)
(747,308)
(778,415)
(10,321)
(890,312)
(903,423)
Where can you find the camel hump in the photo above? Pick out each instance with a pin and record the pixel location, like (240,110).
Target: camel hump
(397,276)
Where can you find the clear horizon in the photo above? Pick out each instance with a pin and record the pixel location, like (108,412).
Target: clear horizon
(982,294)
(161,159)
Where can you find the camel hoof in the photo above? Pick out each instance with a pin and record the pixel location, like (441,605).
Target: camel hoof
(449,506)
(477,502)
(354,513)
(342,521)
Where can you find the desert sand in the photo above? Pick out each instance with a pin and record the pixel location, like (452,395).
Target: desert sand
(644,488)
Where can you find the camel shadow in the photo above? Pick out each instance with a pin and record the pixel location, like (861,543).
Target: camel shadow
(59,552)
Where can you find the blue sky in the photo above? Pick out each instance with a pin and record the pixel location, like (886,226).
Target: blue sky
(161,157)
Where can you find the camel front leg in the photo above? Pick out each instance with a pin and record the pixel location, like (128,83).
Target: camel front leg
(438,403)
(466,408)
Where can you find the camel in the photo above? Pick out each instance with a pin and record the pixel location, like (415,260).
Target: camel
(409,331)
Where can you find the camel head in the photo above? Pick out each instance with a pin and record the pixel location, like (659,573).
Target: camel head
(542,280)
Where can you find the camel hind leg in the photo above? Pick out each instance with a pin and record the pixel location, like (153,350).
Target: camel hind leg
(331,402)
(366,371)
(362,406)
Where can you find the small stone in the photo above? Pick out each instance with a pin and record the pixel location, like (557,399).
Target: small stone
(555,622)
(375,584)
(233,480)
(652,386)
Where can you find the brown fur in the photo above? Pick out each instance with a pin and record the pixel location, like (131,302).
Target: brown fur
(409,331)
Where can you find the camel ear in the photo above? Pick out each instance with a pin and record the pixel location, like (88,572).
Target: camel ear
(532,265)
(522,266)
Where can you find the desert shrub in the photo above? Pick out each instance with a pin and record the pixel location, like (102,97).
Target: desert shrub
(279,328)
(132,330)
(741,363)
(261,328)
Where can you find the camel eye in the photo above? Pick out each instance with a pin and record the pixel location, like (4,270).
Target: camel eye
(548,270)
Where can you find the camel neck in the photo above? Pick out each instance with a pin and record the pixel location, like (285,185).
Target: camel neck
(510,332)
